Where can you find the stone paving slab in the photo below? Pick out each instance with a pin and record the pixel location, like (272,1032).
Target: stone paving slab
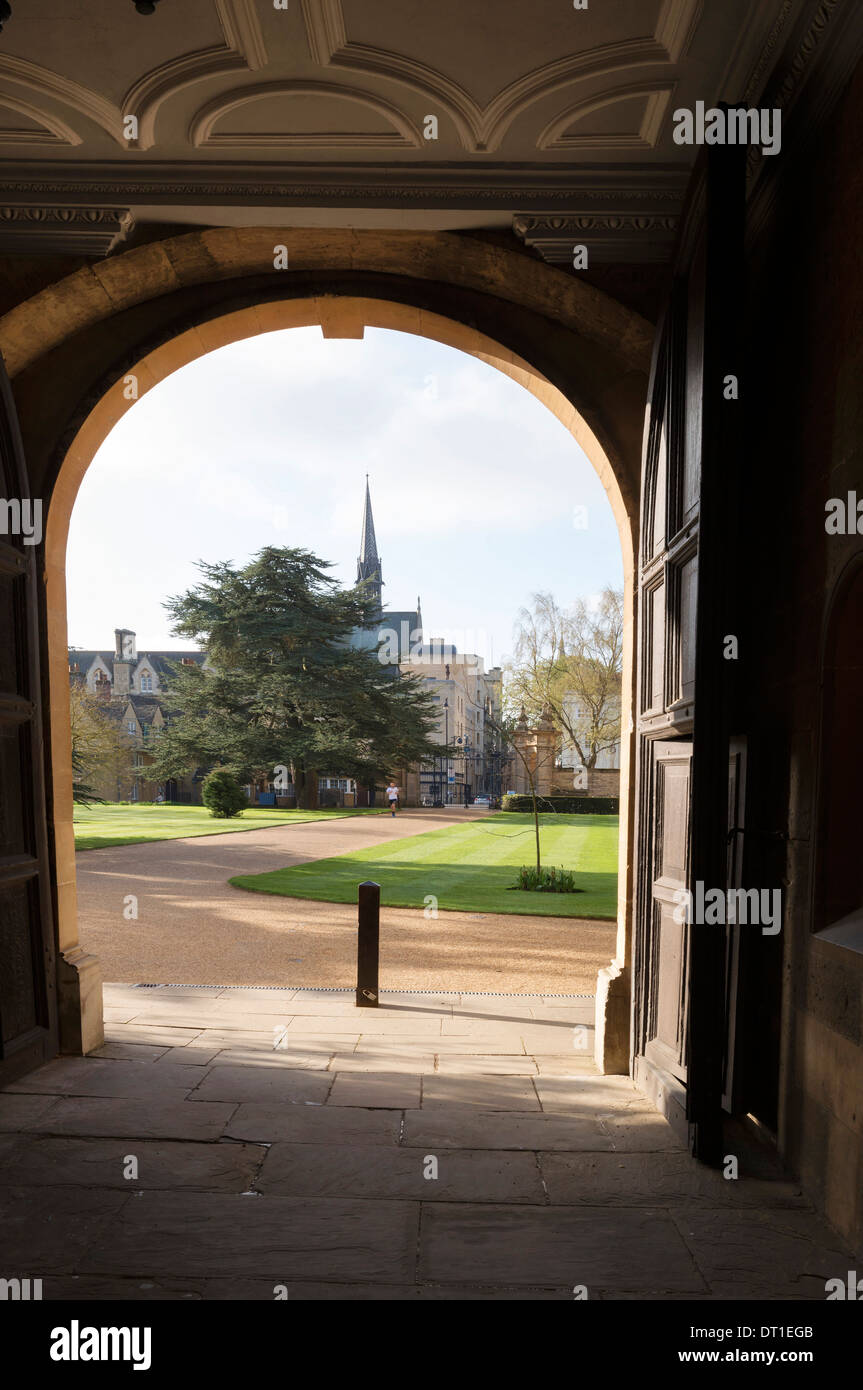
(46,1229)
(261,1039)
(574,1064)
(150,1118)
(190,1056)
(135,1052)
(274,1237)
(568,1013)
(509,1093)
(640,1131)
(368,1022)
(318,1170)
(460,1064)
(86,1076)
(307,1163)
(301,1124)
(298,1055)
(761,1247)
(228,1021)
(55,1161)
(395,1062)
(377,1091)
(563,1095)
(463,1127)
(511,1244)
(23,1112)
(654,1180)
(254,1083)
(158,1037)
(456,1047)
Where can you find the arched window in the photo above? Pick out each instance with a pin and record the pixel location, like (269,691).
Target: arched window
(840,863)
(146,681)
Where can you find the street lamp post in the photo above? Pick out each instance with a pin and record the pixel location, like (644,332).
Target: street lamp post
(446,755)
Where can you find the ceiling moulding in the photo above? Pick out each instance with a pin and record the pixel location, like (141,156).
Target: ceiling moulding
(65,231)
(676,26)
(756,50)
(202,134)
(243,51)
(509,186)
(50,86)
(821,51)
(608,236)
(53,131)
(483,128)
(657,95)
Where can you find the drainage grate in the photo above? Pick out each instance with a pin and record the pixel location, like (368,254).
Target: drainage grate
(349,989)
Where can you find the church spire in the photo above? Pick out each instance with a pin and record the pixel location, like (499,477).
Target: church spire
(369,564)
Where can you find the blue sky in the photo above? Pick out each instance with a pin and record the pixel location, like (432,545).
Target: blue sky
(268,441)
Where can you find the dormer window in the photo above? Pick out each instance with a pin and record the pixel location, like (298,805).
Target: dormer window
(146,681)
(132,726)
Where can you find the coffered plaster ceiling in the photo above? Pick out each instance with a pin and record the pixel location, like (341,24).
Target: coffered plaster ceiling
(544,115)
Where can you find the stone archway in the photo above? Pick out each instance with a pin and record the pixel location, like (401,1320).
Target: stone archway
(150,311)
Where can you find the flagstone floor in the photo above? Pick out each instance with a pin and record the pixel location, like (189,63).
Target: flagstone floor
(227,1141)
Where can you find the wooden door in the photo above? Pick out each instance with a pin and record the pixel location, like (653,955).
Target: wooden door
(28,1013)
(734,941)
(690,471)
(668,1003)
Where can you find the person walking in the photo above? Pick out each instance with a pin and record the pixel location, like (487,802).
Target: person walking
(393,797)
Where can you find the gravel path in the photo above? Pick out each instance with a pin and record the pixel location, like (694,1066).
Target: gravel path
(192,927)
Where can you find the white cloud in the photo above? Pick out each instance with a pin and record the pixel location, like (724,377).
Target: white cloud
(268,441)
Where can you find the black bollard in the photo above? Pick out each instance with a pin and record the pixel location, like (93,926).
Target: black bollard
(368,939)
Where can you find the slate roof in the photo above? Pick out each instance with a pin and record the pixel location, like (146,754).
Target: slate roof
(145,707)
(160,662)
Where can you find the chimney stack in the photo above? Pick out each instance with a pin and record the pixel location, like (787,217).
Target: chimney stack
(125,655)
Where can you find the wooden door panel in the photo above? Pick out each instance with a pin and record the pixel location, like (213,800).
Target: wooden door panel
(28,1023)
(691,458)
(665,1042)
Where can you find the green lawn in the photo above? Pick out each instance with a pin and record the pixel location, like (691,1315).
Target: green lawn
(469,867)
(98,827)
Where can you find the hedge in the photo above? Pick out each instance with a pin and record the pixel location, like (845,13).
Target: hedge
(568,805)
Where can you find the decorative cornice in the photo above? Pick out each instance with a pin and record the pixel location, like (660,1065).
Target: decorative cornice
(821,52)
(752,90)
(608,236)
(625,189)
(67,231)
(804,53)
